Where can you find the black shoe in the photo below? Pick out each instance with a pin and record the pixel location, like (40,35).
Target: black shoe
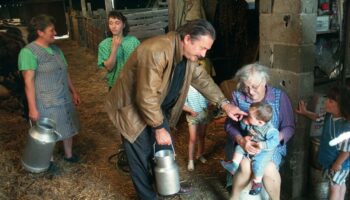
(256,188)
(185,189)
(229,189)
(53,169)
(122,161)
(228,185)
(72,159)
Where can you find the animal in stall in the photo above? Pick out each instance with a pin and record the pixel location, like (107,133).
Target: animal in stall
(11,42)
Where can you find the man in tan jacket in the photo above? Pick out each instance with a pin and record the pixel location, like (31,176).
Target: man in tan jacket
(148,97)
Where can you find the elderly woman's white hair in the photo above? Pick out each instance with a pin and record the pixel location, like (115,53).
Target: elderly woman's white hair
(253,71)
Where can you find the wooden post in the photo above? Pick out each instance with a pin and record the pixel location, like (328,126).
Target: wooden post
(109,6)
(171,15)
(89,9)
(70,6)
(83,7)
(346,45)
(69,19)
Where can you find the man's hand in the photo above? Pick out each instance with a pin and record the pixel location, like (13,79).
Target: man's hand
(194,114)
(162,136)
(233,112)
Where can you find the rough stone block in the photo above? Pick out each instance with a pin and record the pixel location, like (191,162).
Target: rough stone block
(294,6)
(299,183)
(266,54)
(294,58)
(288,28)
(303,122)
(265,6)
(295,170)
(300,142)
(297,85)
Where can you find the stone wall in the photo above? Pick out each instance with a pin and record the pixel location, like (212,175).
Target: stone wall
(287,37)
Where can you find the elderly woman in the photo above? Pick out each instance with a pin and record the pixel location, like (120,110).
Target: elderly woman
(252,87)
(49,89)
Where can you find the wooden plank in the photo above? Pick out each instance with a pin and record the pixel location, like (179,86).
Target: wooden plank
(40,1)
(147,34)
(136,10)
(171,14)
(149,26)
(163,12)
(147,21)
(165,4)
(147,30)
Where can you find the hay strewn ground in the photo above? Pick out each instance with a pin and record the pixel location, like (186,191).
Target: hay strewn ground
(95,177)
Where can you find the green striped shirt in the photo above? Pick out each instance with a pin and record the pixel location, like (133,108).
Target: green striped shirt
(125,49)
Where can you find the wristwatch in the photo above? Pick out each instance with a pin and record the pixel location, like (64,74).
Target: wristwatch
(224,102)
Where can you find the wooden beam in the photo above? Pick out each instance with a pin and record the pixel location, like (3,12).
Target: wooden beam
(146,14)
(109,6)
(147,20)
(346,45)
(171,15)
(83,7)
(70,6)
(39,1)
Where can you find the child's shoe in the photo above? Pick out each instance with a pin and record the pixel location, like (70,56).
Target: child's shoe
(202,159)
(190,166)
(53,169)
(256,188)
(229,166)
(73,159)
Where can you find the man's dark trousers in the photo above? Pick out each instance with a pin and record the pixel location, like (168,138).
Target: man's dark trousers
(140,155)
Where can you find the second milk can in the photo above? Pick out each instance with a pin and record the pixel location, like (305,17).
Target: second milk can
(166,172)
(41,141)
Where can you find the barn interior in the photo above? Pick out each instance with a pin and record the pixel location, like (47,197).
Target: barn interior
(304,43)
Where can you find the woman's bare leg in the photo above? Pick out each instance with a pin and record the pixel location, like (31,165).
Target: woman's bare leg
(272,181)
(241,179)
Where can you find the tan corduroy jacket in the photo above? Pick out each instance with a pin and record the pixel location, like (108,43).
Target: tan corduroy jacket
(135,100)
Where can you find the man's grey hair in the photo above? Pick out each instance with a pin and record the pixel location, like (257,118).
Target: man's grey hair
(196,28)
(253,71)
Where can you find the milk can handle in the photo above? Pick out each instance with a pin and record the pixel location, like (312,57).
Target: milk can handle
(154,149)
(58,134)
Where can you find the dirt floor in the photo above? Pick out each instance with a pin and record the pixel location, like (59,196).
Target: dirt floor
(95,177)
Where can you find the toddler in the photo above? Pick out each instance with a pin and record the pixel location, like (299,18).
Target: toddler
(257,126)
(333,159)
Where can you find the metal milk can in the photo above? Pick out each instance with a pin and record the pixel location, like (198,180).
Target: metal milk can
(166,172)
(40,145)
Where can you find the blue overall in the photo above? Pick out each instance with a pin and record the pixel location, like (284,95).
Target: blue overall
(53,98)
